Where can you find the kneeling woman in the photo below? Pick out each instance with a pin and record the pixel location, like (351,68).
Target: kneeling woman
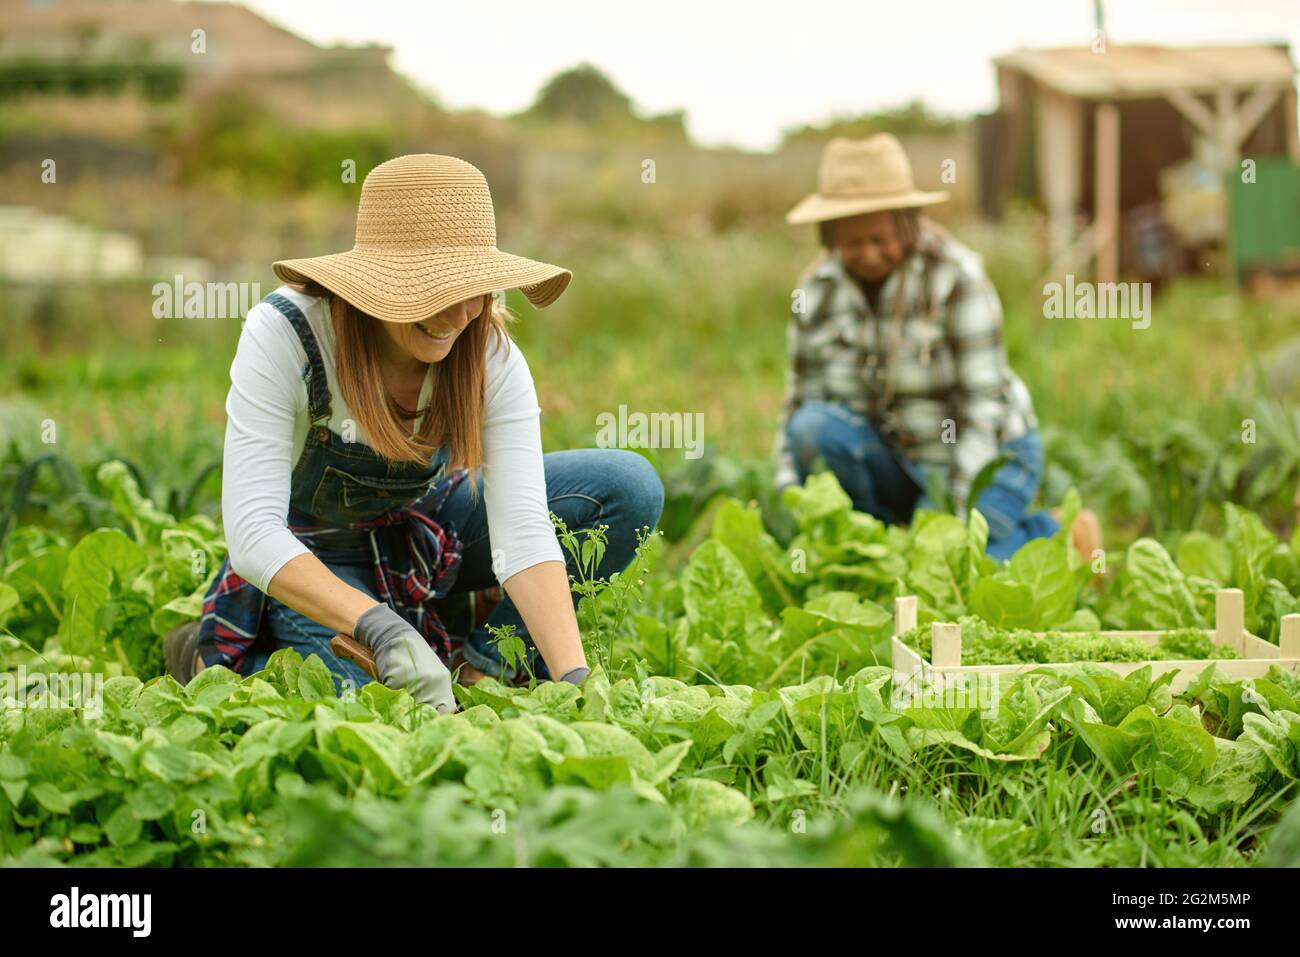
(383,450)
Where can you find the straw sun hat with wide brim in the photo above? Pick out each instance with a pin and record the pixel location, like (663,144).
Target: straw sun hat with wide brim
(426,239)
(862,176)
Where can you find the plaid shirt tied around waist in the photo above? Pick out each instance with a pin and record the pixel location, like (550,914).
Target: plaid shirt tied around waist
(930,371)
(415,563)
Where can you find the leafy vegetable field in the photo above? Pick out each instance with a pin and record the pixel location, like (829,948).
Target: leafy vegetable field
(741,712)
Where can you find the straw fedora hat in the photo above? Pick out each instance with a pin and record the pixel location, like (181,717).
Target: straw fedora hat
(426,239)
(862,176)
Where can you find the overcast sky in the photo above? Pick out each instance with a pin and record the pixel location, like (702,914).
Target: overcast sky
(745,71)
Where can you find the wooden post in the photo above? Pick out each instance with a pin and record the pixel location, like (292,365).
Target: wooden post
(1059,149)
(1230,618)
(1106,196)
(1292,128)
(1225,108)
(906,662)
(904,614)
(1290,640)
(945,644)
(897,659)
(1225,101)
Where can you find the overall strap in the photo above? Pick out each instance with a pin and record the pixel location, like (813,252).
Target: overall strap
(313,373)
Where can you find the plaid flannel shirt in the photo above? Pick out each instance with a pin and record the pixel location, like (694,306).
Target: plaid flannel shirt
(415,563)
(954,398)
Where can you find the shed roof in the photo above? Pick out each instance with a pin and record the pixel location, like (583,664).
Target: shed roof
(1133,71)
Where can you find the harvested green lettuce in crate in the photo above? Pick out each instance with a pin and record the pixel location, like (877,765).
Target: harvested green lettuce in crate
(985,644)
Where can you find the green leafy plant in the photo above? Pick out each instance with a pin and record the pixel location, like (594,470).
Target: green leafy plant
(604,603)
(513,650)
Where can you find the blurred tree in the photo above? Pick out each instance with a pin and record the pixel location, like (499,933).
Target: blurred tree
(582,94)
(582,102)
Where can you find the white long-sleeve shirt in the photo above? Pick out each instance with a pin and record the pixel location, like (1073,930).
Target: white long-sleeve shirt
(266,429)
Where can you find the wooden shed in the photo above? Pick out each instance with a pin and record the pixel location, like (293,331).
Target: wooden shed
(1087,132)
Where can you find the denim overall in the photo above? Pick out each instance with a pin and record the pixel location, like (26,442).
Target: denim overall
(339,490)
(338,484)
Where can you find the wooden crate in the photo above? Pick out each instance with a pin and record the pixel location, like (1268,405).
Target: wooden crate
(1229,629)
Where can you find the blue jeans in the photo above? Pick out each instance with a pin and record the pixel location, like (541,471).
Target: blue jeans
(585,487)
(884,483)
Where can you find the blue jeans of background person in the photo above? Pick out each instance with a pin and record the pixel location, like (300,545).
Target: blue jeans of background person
(584,487)
(883,483)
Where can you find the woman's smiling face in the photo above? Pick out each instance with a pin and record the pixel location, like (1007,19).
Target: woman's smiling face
(429,340)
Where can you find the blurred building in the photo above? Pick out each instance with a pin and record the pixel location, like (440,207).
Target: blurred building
(237,42)
(1128,147)
(151,51)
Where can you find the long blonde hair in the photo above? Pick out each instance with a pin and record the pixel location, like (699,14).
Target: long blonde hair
(454,416)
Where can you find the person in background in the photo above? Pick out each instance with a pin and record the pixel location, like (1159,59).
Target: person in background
(898,378)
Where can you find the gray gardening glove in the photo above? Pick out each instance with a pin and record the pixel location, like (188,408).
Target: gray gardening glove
(576,676)
(404,659)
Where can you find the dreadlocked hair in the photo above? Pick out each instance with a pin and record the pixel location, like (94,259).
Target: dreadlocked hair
(906,221)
